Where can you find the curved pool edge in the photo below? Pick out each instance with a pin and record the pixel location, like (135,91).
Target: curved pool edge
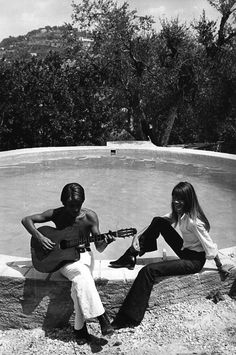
(143,153)
(30,299)
(22,268)
(139,149)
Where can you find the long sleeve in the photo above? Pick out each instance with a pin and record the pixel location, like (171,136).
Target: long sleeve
(208,245)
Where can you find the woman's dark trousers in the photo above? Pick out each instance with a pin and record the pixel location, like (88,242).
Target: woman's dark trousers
(190,262)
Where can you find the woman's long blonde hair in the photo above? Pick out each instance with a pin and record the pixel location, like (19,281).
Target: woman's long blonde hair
(185,192)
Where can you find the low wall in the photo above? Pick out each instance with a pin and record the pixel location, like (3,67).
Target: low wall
(137,149)
(29,299)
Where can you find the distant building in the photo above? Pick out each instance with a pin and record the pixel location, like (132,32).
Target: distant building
(86,42)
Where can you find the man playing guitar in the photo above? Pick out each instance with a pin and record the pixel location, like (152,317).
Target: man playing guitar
(70,221)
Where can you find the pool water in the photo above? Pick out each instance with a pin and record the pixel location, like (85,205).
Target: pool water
(123,191)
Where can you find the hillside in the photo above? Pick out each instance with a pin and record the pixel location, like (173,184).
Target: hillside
(38,42)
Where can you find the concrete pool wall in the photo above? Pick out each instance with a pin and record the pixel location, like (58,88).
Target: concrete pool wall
(139,150)
(30,299)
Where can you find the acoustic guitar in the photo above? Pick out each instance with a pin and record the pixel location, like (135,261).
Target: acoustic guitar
(67,248)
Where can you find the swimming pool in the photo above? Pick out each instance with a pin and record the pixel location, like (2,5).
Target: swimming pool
(126,188)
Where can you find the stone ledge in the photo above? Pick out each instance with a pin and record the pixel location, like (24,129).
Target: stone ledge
(30,299)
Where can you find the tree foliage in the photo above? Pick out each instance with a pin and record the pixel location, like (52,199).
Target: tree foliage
(175,86)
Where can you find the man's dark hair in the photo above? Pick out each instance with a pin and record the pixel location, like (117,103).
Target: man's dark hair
(72,191)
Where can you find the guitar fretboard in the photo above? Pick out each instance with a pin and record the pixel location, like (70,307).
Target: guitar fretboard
(84,241)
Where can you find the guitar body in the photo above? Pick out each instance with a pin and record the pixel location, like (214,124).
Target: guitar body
(66,241)
(50,261)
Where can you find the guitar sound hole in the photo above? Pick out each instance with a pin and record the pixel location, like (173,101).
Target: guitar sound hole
(63,244)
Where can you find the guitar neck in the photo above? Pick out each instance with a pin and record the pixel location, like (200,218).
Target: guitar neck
(91,239)
(85,240)
(99,237)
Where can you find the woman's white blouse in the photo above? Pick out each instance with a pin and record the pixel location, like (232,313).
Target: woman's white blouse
(195,236)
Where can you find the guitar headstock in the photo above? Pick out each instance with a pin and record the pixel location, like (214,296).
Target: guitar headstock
(124,233)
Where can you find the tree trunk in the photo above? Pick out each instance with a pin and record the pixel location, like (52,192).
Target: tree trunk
(169,125)
(135,127)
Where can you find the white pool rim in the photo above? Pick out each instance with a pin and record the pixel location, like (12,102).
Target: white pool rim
(138,149)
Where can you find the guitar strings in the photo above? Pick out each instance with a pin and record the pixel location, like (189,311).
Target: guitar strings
(85,239)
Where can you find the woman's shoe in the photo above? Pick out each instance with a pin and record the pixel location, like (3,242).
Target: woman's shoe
(82,335)
(106,327)
(122,321)
(128,259)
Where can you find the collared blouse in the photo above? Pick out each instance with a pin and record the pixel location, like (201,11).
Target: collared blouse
(195,236)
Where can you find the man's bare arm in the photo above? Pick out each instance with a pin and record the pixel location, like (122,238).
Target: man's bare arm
(29,224)
(93,218)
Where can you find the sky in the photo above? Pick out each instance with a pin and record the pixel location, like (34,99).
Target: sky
(18,17)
